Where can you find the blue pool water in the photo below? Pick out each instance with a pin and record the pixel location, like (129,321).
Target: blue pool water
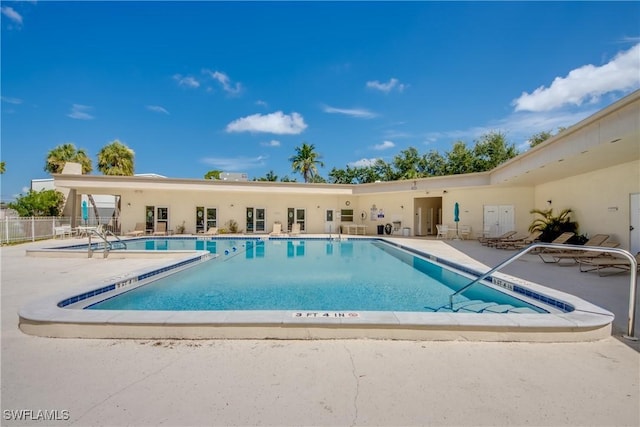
(354,275)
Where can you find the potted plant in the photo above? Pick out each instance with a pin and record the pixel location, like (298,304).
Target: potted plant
(552,226)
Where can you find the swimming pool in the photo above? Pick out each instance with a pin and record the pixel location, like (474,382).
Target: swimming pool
(325,275)
(558,316)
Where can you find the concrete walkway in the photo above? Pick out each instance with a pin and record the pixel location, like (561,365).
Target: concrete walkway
(86,382)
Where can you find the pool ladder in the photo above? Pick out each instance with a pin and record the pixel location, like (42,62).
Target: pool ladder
(108,245)
(633,283)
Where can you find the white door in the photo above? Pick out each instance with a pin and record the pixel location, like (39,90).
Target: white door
(634,224)
(418,222)
(507,220)
(330,221)
(492,219)
(499,219)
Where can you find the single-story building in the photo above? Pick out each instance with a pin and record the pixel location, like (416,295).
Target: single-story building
(592,168)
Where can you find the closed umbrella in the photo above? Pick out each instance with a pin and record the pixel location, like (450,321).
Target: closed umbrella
(85,212)
(456,217)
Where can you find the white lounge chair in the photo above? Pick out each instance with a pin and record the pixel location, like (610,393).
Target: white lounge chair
(161,229)
(277,230)
(212,231)
(140,229)
(295,229)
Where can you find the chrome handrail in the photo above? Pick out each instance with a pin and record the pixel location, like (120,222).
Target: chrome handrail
(109,232)
(633,284)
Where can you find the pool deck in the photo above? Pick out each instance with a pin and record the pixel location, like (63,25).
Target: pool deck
(308,382)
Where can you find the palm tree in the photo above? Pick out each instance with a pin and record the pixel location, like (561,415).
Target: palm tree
(60,155)
(2,168)
(305,161)
(116,159)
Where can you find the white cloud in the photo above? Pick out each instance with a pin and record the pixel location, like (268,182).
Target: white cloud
(363,163)
(354,112)
(224,81)
(384,146)
(235,164)
(585,84)
(276,123)
(10,13)
(393,83)
(80,112)
(157,109)
(187,81)
(272,143)
(15,101)
(262,103)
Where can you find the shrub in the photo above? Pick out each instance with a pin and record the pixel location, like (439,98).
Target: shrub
(552,226)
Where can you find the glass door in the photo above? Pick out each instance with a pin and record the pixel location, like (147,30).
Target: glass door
(256,220)
(297,215)
(200,219)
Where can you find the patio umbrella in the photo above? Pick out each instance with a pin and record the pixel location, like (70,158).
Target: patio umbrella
(456,217)
(85,211)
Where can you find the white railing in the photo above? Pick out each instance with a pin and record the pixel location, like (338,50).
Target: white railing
(30,229)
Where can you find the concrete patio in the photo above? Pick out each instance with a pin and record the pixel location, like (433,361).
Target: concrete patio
(329,382)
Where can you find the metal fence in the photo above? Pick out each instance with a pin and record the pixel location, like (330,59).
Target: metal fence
(19,229)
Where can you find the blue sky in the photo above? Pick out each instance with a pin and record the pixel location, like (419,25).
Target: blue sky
(196,86)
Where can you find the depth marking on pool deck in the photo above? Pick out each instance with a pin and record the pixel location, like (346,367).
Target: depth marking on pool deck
(306,314)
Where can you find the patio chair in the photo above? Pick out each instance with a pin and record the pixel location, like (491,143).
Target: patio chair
(492,241)
(518,242)
(295,229)
(277,230)
(464,231)
(443,231)
(584,255)
(596,240)
(139,230)
(561,240)
(212,231)
(161,229)
(606,262)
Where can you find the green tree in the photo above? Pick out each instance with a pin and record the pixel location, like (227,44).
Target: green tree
(408,164)
(384,171)
(306,161)
(491,150)
(39,203)
(270,176)
(2,168)
(213,174)
(287,179)
(60,155)
(539,138)
(459,160)
(435,164)
(117,159)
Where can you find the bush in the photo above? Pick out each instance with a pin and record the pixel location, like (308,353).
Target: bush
(552,226)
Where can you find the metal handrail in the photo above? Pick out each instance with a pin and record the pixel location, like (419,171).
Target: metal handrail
(107,244)
(633,284)
(109,232)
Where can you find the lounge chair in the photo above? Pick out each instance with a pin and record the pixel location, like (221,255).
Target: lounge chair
(277,230)
(518,242)
(443,231)
(560,240)
(212,231)
(161,229)
(492,241)
(140,229)
(584,255)
(295,229)
(596,240)
(606,262)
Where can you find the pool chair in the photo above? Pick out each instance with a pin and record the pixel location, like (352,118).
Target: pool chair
(295,229)
(575,256)
(518,242)
(606,262)
(561,240)
(212,231)
(277,230)
(161,229)
(140,229)
(443,231)
(493,241)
